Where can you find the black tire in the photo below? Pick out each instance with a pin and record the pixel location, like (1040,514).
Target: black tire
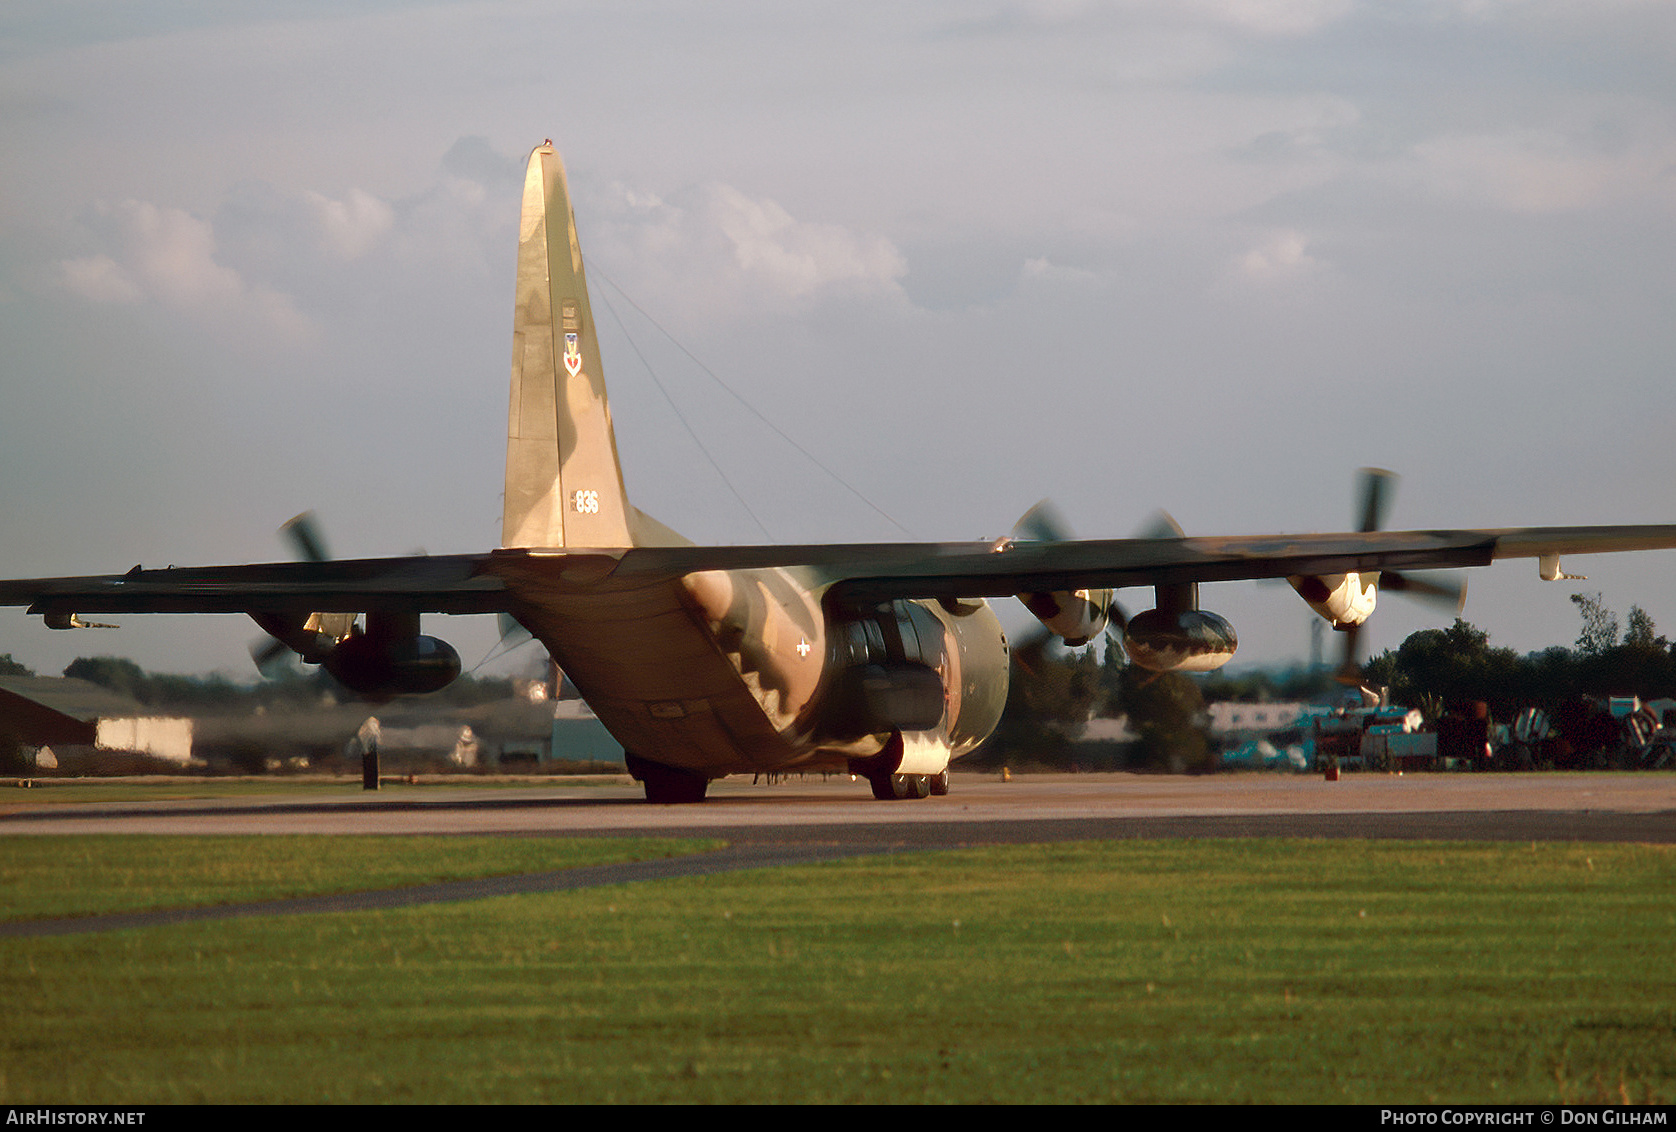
(895,787)
(940,784)
(667,785)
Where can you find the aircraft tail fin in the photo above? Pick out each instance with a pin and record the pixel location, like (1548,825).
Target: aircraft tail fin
(564,485)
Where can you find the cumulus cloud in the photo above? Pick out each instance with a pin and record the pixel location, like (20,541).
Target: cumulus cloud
(1545,170)
(1042,269)
(100,278)
(168,256)
(719,248)
(273,233)
(1268,17)
(351,227)
(270,253)
(1280,256)
(1261,17)
(798,257)
(164,253)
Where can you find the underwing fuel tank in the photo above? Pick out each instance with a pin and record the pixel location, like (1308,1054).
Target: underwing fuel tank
(381,669)
(1190,640)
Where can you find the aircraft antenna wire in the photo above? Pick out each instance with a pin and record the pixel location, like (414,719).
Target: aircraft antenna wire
(656,380)
(497,651)
(737,396)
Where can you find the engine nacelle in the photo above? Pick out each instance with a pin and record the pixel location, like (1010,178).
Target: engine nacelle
(1188,640)
(1076,617)
(1342,599)
(908,668)
(869,699)
(379,668)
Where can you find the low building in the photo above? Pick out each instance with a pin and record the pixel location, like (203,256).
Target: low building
(1230,720)
(48,711)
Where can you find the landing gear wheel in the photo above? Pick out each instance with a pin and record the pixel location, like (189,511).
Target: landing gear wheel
(667,785)
(678,790)
(892,787)
(940,784)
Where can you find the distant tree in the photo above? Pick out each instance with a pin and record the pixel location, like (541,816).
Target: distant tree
(215,693)
(1600,625)
(1112,664)
(1308,683)
(1642,633)
(10,667)
(1050,698)
(115,673)
(1264,685)
(1250,687)
(165,691)
(1381,671)
(1166,712)
(1551,676)
(1436,667)
(1058,691)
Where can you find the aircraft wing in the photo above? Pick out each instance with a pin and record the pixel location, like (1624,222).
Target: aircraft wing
(863,573)
(417,584)
(855,573)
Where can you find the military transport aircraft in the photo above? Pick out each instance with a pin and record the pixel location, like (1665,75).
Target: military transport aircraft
(885,659)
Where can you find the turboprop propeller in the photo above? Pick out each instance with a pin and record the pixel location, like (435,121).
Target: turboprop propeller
(1346,600)
(315,638)
(386,656)
(1074,617)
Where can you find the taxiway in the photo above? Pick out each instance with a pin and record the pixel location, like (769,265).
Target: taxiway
(1609,807)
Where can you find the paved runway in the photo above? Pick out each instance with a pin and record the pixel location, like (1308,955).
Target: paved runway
(804,820)
(1637,807)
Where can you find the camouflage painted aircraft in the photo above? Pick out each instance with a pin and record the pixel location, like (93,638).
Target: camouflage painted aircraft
(884,659)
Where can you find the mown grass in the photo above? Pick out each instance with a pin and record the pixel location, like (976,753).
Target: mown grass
(48,792)
(44,877)
(1126,971)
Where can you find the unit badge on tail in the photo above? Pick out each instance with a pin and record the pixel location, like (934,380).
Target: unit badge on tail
(573,352)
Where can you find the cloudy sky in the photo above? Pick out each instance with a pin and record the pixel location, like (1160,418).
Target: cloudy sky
(1207,255)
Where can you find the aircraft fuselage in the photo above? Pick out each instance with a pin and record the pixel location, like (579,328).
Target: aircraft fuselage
(736,671)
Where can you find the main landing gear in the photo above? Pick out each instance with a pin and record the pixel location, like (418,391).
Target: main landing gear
(667,785)
(890,787)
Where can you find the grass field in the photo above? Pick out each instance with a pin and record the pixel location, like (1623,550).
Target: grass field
(80,791)
(1133,971)
(45,877)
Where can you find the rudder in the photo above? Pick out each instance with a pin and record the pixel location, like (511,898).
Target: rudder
(564,484)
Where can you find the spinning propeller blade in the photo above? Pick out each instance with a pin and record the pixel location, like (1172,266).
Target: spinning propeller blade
(1440,588)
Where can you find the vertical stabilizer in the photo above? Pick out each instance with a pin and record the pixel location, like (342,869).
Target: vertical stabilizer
(564,486)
